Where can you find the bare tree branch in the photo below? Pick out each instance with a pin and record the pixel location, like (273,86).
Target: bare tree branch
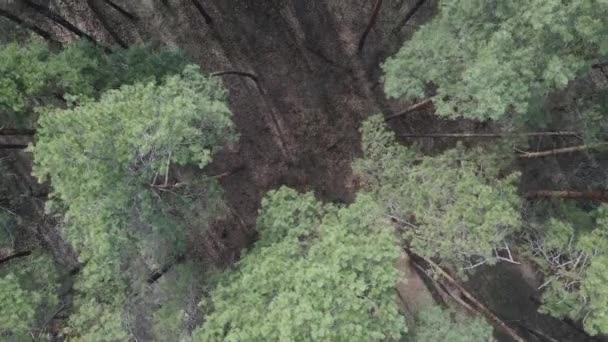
(249,75)
(370,25)
(235,72)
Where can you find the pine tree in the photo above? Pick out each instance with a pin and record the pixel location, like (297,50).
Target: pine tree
(32,75)
(318,272)
(570,247)
(490,60)
(28,295)
(452,206)
(109,163)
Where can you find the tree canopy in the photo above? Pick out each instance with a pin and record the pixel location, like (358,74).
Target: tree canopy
(33,75)
(495,59)
(452,206)
(437,324)
(105,158)
(318,272)
(570,248)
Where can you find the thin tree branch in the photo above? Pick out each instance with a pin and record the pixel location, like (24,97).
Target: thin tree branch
(562,150)
(121,10)
(408,16)
(370,25)
(235,72)
(249,75)
(39,31)
(600,196)
(14,256)
(419,105)
(202,11)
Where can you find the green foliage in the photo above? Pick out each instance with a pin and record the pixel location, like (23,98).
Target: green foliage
(99,322)
(32,76)
(103,158)
(319,272)
(28,292)
(493,58)
(452,206)
(178,296)
(23,74)
(436,325)
(571,251)
(593,117)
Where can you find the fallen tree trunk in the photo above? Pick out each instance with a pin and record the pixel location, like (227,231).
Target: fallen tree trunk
(473,304)
(487,135)
(562,150)
(416,106)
